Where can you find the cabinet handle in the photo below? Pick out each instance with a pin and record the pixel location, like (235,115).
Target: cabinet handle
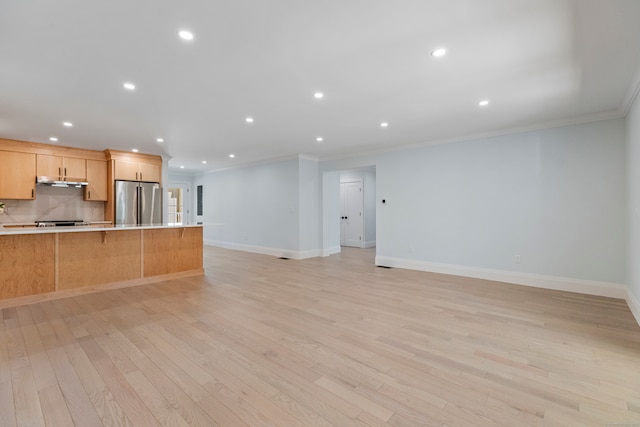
(33,193)
(60,172)
(65,172)
(89,191)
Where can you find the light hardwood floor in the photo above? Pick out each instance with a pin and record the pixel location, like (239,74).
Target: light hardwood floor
(320,342)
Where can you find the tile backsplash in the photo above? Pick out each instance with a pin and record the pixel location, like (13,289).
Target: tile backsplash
(52,203)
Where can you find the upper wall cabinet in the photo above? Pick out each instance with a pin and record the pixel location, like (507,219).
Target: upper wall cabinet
(17,175)
(61,168)
(129,170)
(97,190)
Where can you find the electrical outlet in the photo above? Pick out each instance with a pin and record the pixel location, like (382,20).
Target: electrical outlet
(517,259)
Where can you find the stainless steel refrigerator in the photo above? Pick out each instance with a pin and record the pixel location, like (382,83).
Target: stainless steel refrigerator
(138,203)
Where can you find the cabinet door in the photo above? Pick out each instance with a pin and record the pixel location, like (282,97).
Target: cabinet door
(17,175)
(149,172)
(74,169)
(49,166)
(97,178)
(126,170)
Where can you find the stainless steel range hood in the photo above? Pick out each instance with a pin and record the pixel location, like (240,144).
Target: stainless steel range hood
(46,180)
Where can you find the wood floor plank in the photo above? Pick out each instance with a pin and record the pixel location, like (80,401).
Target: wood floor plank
(174,371)
(54,406)
(222,415)
(323,342)
(367,405)
(107,407)
(43,373)
(133,406)
(28,408)
(80,407)
(173,394)
(5,367)
(299,411)
(158,405)
(7,407)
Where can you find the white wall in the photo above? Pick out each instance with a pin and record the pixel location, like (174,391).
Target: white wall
(309,206)
(331,212)
(252,208)
(369,177)
(272,208)
(633,189)
(556,197)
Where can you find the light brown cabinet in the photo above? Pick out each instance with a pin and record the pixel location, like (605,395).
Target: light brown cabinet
(61,168)
(97,179)
(35,263)
(17,175)
(27,263)
(137,171)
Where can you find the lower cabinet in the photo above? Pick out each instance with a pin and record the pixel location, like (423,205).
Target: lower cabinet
(171,250)
(39,263)
(27,265)
(98,257)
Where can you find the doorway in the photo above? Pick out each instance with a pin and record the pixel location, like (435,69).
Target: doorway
(351,209)
(178,204)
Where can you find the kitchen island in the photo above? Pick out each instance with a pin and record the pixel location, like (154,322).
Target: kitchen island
(37,264)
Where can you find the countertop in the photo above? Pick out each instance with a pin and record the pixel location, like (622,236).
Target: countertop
(86,228)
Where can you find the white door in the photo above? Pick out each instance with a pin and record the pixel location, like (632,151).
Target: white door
(351,229)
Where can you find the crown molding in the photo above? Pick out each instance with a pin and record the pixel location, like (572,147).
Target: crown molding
(632,94)
(591,118)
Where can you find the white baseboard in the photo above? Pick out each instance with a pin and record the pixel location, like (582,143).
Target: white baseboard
(612,290)
(330,251)
(634,305)
(369,244)
(264,250)
(311,253)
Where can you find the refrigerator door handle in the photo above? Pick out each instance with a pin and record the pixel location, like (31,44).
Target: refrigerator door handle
(139,203)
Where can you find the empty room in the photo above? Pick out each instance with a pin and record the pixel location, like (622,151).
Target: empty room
(336,213)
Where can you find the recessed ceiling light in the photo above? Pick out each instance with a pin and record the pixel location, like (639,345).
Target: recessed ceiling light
(439,52)
(181,167)
(129,86)
(319,139)
(318,95)
(384,124)
(249,120)
(232,155)
(54,139)
(185,35)
(68,124)
(159,140)
(135,150)
(204,162)
(483,103)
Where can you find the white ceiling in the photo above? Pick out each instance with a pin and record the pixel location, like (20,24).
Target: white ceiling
(540,62)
